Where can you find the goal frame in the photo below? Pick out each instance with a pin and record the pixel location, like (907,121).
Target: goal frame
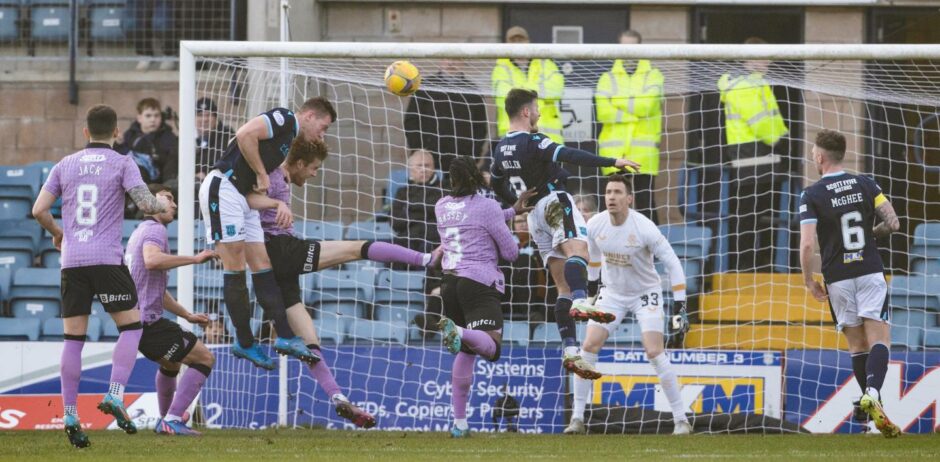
(190,51)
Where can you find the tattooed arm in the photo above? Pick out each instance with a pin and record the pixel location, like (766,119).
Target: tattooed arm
(889,220)
(145,201)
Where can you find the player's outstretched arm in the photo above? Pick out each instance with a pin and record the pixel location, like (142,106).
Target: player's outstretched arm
(284,218)
(807,249)
(587,159)
(156,260)
(170,304)
(889,220)
(146,202)
(42,214)
(247,138)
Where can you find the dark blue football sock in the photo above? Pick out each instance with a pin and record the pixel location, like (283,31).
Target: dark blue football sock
(271,301)
(859,362)
(235,293)
(576,276)
(877,366)
(564,322)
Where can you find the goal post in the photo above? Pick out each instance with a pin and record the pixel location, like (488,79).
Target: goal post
(759,345)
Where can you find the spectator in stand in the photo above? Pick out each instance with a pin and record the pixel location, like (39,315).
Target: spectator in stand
(586,204)
(149,21)
(211,136)
(446,122)
(152,143)
(415,225)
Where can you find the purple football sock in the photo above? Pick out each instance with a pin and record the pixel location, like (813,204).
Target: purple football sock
(189,387)
(322,374)
(461,378)
(166,386)
(70,370)
(480,342)
(125,354)
(384,252)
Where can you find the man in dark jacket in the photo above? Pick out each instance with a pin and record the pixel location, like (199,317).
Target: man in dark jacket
(153,144)
(211,136)
(448,121)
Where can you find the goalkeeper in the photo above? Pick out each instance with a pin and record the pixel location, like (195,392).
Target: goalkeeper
(622,244)
(292,256)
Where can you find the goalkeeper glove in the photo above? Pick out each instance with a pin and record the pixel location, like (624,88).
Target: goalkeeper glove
(678,325)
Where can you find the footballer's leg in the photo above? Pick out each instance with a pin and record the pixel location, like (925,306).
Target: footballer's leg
(653,343)
(270,299)
(858,349)
(165,382)
(70,371)
(200,361)
(117,280)
(571,358)
(333,253)
(235,294)
(878,334)
(593,341)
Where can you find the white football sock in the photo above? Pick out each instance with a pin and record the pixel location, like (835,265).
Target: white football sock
(670,384)
(171,418)
(461,424)
(116,390)
(582,388)
(571,350)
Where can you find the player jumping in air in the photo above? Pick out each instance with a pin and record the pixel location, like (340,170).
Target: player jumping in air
(164,341)
(528,160)
(622,245)
(472,286)
(292,256)
(260,147)
(92,183)
(843,207)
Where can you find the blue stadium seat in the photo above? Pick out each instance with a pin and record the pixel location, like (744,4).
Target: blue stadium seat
(378,331)
(173,234)
(927,266)
(172,283)
(50,258)
(396,312)
(693,269)
(321,230)
(9,20)
(127,228)
(14,209)
(6,278)
(343,285)
(105,20)
(16,328)
(207,285)
(688,241)
(546,333)
(332,328)
(350,309)
(926,240)
(45,167)
(932,338)
(20,182)
(397,178)
(49,20)
(516,332)
(913,292)
(399,286)
(53,329)
(36,293)
(26,231)
(907,328)
(369,231)
(15,256)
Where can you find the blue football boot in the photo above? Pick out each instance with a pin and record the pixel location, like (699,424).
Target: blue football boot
(115,407)
(451,338)
(295,347)
(458,433)
(255,354)
(174,427)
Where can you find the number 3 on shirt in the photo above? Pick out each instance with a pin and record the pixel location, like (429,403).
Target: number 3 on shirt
(454,250)
(86,213)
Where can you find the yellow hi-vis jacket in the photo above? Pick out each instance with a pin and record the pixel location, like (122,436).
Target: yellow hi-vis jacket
(543,76)
(630,107)
(751,111)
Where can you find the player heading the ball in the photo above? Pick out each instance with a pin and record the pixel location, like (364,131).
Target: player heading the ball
(528,160)
(260,146)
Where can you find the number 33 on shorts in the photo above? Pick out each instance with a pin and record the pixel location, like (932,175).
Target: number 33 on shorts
(650,301)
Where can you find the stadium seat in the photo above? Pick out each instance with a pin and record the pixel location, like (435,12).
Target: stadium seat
(45,167)
(931,338)
(399,286)
(172,283)
(516,332)
(207,285)
(546,333)
(127,228)
(927,266)
(173,234)
(926,240)
(50,258)
(6,277)
(343,285)
(9,20)
(320,230)
(49,22)
(332,328)
(693,269)
(350,309)
(15,256)
(369,231)
(396,179)
(36,293)
(16,328)
(907,328)
(14,208)
(688,241)
(20,182)
(395,313)
(105,19)
(26,231)
(377,331)
(912,292)
(53,329)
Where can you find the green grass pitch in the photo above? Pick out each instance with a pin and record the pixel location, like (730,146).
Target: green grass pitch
(348,446)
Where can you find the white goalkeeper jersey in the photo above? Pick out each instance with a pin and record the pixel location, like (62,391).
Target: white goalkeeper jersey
(624,255)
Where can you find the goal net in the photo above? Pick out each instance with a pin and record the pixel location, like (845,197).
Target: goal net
(761,355)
